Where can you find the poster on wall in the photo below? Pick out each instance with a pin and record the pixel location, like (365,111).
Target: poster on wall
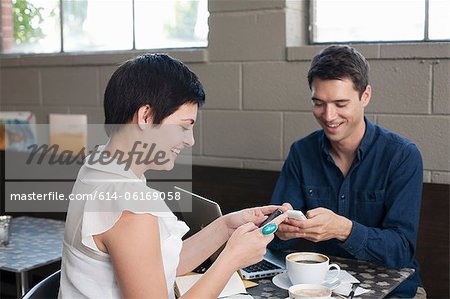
(17,131)
(68,132)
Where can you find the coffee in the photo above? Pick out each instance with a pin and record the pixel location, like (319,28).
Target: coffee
(309,262)
(311,292)
(309,268)
(308,258)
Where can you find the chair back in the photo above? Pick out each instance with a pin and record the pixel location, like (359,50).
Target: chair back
(48,288)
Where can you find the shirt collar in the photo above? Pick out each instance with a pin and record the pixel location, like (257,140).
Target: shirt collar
(368,137)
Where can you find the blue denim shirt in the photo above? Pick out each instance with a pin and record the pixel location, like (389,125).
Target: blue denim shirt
(381,194)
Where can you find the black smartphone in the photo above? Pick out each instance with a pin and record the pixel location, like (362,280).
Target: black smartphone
(273,215)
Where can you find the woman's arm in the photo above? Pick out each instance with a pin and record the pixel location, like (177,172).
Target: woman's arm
(246,246)
(202,245)
(133,244)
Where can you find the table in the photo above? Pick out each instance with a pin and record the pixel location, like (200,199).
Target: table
(381,281)
(34,242)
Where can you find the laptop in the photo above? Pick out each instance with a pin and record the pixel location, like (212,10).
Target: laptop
(205,211)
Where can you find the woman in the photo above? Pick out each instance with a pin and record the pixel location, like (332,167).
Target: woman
(116,245)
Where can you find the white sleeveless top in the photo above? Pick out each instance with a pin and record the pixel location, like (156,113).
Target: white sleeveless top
(87,272)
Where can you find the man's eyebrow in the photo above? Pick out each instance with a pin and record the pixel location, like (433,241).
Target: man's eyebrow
(333,101)
(189,120)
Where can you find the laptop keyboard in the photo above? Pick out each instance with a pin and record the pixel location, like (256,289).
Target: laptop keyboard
(261,266)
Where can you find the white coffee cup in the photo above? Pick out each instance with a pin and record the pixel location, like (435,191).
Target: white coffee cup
(309,291)
(309,268)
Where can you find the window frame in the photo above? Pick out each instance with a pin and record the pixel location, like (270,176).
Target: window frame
(313,30)
(61,51)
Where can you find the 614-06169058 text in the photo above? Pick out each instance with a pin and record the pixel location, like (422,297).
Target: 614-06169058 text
(97,195)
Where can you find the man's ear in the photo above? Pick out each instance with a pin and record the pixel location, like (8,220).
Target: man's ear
(366,96)
(144,116)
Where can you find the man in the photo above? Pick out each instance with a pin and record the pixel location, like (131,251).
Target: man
(359,184)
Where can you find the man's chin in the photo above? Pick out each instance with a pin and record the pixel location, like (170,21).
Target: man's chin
(333,137)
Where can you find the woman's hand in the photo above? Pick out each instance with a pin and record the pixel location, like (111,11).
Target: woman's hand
(254,215)
(247,245)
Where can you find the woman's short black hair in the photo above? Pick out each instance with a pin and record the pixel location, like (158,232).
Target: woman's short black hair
(340,62)
(157,80)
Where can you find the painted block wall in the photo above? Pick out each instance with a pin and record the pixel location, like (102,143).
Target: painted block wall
(258,101)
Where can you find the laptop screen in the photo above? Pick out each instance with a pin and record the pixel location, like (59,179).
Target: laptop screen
(204,211)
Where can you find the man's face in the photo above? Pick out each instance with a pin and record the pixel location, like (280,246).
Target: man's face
(339,110)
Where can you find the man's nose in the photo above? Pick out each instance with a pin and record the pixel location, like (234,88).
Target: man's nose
(330,112)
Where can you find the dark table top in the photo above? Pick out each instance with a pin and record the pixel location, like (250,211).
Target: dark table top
(381,281)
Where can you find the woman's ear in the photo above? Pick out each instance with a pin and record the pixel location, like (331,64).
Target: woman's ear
(144,116)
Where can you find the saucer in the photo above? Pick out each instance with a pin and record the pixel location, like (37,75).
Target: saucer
(283,282)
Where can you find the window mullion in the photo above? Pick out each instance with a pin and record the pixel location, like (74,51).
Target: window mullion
(427,20)
(312,28)
(134,25)
(61,24)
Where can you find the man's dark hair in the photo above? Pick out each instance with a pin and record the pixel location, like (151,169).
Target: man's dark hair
(157,80)
(340,62)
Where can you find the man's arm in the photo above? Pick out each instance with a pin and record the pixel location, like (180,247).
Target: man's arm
(394,243)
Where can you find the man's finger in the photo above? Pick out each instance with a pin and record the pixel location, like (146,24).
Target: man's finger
(288,228)
(288,206)
(303,223)
(315,212)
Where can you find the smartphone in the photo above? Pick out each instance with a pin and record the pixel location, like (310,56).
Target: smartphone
(296,214)
(273,215)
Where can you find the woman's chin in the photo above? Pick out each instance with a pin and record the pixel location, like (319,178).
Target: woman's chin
(167,166)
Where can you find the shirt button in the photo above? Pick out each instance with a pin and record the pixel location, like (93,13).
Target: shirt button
(342,196)
(310,191)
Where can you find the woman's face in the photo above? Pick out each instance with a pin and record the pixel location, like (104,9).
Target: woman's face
(177,133)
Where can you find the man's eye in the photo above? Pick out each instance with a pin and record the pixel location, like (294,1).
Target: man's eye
(341,105)
(318,104)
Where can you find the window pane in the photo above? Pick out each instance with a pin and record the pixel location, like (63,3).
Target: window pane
(171,24)
(30,26)
(368,20)
(96,25)
(439,19)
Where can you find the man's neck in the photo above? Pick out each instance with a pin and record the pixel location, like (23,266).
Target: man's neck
(343,152)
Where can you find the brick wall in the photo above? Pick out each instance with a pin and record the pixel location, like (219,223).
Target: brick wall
(254,71)
(7,25)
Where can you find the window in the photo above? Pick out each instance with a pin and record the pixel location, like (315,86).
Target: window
(379,20)
(49,26)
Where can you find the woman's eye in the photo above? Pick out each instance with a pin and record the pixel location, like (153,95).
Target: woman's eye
(185,129)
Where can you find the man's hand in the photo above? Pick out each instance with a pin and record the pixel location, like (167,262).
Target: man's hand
(321,225)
